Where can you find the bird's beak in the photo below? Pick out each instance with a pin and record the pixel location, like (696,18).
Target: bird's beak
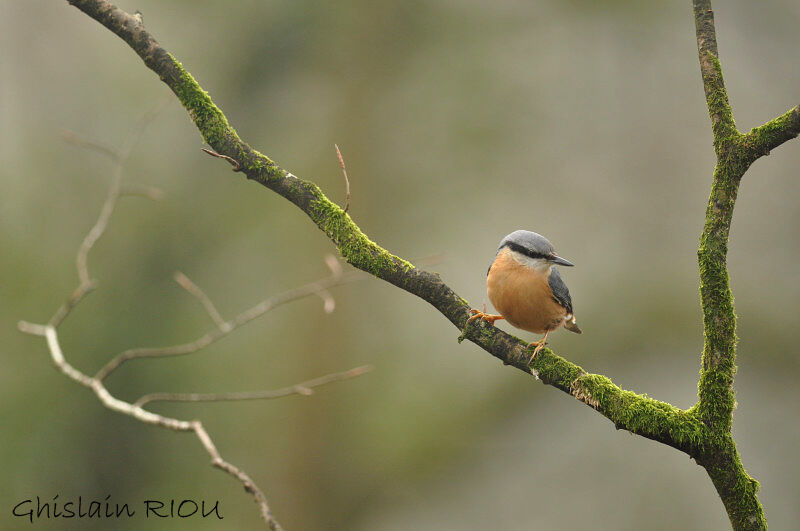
(561,261)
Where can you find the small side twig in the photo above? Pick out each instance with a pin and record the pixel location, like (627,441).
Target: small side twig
(314,288)
(232,161)
(196,292)
(71,137)
(303,388)
(329,303)
(346,180)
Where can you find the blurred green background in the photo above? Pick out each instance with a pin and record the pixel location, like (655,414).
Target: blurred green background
(460,121)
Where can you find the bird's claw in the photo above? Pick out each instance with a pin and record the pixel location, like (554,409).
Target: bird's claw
(539,346)
(477,314)
(482,315)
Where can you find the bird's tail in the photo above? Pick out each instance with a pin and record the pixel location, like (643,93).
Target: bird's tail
(571,325)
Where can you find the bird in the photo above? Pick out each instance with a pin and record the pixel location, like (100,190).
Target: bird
(526,288)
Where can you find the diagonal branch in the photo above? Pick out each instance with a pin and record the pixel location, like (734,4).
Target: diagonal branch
(194,290)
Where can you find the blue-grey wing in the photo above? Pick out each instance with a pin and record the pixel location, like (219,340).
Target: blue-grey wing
(560,291)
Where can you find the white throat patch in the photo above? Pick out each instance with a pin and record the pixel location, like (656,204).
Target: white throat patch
(540,265)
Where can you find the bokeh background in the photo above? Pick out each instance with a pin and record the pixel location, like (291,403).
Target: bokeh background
(460,121)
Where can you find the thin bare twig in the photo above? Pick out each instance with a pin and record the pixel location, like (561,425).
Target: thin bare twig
(232,161)
(114,191)
(334,265)
(75,297)
(329,303)
(346,180)
(143,123)
(135,411)
(100,225)
(249,484)
(195,291)
(71,137)
(303,388)
(314,288)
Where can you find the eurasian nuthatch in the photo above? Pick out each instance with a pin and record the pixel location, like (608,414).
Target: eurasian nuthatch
(526,288)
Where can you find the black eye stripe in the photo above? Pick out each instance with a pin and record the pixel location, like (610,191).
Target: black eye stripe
(527,252)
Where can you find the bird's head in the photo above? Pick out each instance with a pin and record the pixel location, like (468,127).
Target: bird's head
(532,250)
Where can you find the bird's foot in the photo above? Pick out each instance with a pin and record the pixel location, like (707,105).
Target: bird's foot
(489,318)
(477,314)
(539,346)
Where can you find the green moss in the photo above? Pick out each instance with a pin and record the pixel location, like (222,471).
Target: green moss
(353,244)
(641,414)
(208,118)
(555,370)
(719,319)
(260,167)
(487,337)
(719,108)
(736,488)
(760,140)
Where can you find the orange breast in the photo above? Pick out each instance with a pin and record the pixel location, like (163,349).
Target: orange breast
(523,296)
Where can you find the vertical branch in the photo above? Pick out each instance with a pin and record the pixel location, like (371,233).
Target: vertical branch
(719,320)
(717,398)
(719,107)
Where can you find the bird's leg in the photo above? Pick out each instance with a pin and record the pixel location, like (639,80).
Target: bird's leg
(539,346)
(484,316)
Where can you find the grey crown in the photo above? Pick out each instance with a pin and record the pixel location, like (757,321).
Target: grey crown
(529,240)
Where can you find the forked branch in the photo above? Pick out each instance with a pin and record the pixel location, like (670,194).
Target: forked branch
(735,153)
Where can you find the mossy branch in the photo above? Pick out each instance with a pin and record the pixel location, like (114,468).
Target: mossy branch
(735,153)
(703,432)
(761,140)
